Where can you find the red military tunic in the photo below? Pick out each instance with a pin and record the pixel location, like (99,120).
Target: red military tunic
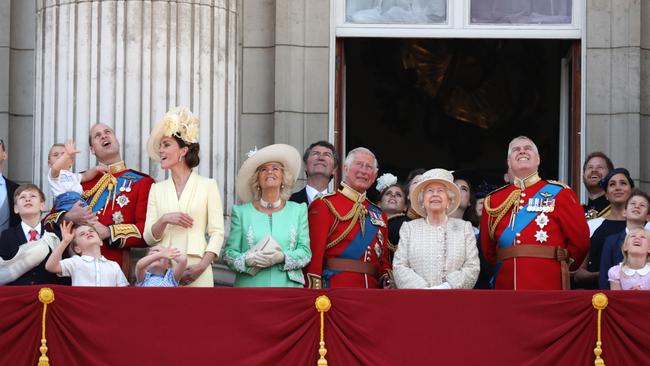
(329,219)
(124,212)
(565,226)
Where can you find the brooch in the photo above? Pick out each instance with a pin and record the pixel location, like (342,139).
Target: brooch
(122,200)
(118,218)
(541,236)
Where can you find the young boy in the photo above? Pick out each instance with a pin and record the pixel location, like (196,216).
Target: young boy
(64,184)
(88,267)
(29,202)
(637,213)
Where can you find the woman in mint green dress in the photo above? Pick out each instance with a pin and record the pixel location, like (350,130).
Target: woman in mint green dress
(268,244)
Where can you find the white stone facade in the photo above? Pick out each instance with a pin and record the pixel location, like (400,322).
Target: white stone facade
(126,62)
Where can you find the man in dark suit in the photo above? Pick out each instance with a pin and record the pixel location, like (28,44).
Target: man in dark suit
(7,188)
(30,202)
(320,161)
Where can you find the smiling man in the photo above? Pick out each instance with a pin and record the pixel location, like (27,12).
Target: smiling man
(596,167)
(348,233)
(117,200)
(532,227)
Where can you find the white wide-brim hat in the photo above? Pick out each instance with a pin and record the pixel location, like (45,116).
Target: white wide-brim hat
(286,155)
(441,176)
(179,122)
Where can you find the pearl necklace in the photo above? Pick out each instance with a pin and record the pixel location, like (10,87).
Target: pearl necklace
(270,205)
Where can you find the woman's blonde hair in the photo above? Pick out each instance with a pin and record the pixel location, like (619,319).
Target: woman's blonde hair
(628,238)
(285,189)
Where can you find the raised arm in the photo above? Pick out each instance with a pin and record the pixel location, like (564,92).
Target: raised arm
(53,263)
(65,160)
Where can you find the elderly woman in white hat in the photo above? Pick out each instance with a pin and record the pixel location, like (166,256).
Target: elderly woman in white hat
(268,244)
(186,206)
(436,251)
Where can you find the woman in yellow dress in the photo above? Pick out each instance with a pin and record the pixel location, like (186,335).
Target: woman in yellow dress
(186,206)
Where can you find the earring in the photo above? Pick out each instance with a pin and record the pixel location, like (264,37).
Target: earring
(180,157)
(281,186)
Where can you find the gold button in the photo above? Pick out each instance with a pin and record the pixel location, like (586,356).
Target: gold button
(518,241)
(523,194)
(518,234)
(520,207)
(521,201)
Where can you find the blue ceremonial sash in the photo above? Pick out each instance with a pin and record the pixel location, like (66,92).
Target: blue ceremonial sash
(355,249)
(522,219)
(125,180)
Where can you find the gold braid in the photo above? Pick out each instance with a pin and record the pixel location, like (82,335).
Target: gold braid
(497,213)
(358,211)
(96,191)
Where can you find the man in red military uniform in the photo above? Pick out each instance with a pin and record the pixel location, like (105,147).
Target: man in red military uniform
(532,228)
(117,199)
(348,233)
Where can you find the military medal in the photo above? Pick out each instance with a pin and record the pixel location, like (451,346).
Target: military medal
(118,218)
(380,237)
(122,187)
(541,220)
(122,201)
(378,250)
(541,236)
(376,219)
(128,188)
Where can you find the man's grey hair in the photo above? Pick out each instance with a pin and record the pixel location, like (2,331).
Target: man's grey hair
(350,157)
(522,138)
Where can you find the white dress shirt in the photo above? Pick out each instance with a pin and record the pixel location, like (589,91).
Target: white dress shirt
(312,192)
(95,272)
(26,229)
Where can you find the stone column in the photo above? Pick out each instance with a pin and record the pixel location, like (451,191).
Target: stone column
(285,72)
(125,63)
(613,94)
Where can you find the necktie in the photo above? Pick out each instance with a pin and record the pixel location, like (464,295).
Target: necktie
(33,235)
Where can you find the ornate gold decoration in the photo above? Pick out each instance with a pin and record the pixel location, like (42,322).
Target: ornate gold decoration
(314,281)
(599,301)
(497,213)
(46,296)
(117,167)
(356,213)
(107,181)
(123,232)
(528,181)
(323,304)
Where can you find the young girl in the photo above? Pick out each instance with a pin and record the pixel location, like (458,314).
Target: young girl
(155,270)
(634,272)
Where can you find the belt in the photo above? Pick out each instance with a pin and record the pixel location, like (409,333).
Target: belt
(539,251)
(350,265)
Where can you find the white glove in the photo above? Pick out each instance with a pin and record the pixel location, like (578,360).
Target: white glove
(442,286)
(258,259)
(250,259)
(276,256)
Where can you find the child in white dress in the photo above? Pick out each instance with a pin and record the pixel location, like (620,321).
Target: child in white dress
(65,184)
(634,272)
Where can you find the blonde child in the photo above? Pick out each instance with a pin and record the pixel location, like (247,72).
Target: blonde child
(155,269)
(634,272)
(88,267)
(65,184)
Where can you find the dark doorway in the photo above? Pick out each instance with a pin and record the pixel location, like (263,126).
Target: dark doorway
(453,103)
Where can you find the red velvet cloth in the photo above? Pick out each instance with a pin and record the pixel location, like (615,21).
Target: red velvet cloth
(158,326)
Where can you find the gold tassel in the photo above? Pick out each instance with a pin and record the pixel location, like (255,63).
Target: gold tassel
(46,296)
(323,304)
(599,301)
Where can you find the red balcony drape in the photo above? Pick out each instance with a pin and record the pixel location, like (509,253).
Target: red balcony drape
(185,326)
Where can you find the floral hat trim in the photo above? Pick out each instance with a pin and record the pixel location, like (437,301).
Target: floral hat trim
(181,123)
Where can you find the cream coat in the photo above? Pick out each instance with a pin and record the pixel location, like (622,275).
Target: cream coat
(427,257)
(201,200)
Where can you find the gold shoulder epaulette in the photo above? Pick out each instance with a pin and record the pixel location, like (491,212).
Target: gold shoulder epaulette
(558,183)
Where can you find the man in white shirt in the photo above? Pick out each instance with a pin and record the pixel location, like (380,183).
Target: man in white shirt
(320,161)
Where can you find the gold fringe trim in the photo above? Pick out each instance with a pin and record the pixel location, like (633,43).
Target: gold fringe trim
(356,213)
(46,296)
(106,181)
(323,304)
(599,301)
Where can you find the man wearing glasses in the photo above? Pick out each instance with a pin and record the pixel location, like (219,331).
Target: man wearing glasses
(320,161)
(7,188)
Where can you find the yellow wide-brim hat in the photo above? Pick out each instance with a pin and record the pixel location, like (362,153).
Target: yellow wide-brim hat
(286,155)
(441,176)
(179,122)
